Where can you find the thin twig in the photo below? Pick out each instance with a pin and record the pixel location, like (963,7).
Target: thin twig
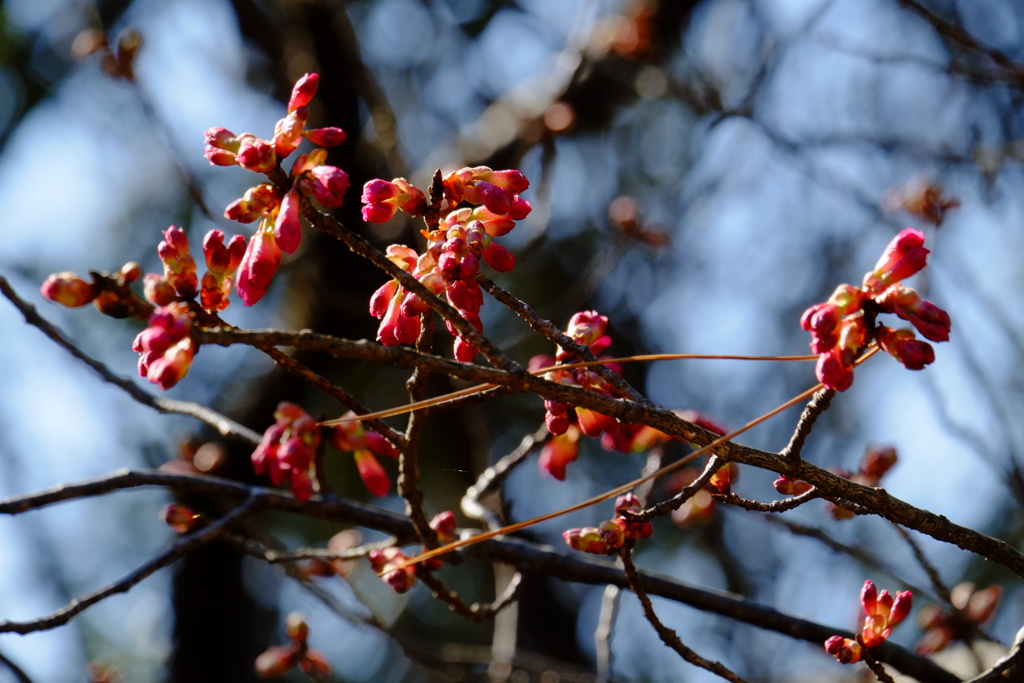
(667,635)
(176,552)
(224,425)
(816,407)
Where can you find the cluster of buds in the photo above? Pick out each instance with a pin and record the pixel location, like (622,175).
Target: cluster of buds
(278,212)
(389,563)
(844,325)
(278,660)
(586,328)
(461,238)
(972,607)
(222,260)
(106,292)
(288,450)
(165,347)
(883,613)
(611,534)
(363,444)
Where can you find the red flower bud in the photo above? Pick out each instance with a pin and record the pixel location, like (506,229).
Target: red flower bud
(67,289)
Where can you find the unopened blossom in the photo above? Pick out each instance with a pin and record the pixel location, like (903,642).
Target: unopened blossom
(904,256)
(351,435)
(222,260)
(789,486)
(278,660)
(165,347)
(884,612)
(67,289)
(611,534)
(179,266)
(386,563)
(258,267)
(287,452)
(845,650)
(559,451)
(381,199)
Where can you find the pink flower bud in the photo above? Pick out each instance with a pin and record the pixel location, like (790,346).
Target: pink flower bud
(256,155)
(276,661)
(834,370)
(499,258)
(788,486)
(374,477)
(288,132)
(904,256)
(180,518)
(258,267)
(588,540)
(464,351)
(559,451)
(845,650)
(288,226)
(913,353)
(67,289)
(326,137)
(158,290)
(443,524)
(303,91)
(327,183)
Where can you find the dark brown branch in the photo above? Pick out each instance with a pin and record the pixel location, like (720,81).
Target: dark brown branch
(526,557)
(783,505)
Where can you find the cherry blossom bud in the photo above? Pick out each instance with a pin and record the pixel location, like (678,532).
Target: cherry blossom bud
(255,154)
(327,183)
(588,540)
(559,451)
(834,370)
(67,289)
(158,290)
(878,461)
(904,256)
(374,477)
(130,272)
(303,91)
(179,266)
(788,486)
(443,525)
(325,137)
(296,628)
(288,226)
(464,351)
(499,258)
(913,353)
(845,650)
(221,146)
(258,267)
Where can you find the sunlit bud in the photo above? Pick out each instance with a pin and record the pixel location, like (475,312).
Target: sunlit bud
(258,267)
(443,525)
(845,650)
(869,597)
(588,540)
(130,272)
(288,226)
(180,518)
(303,91)
(931,321)
(396,328)
(464,351)
(465,295)
(904,256)
(511,180)
(296,629)
(788,486)
(158,290)
(314,665)
(221,146)
(834,370)
(822,321)
(587,327)
(499,258)
(379,445)
(559,451)
(900,608)
(384,562)
(723,477)
(326,137)
(288,132)
(902,345)
(255,154)
(276,661)
(327,183)
(376,191)
(592,423)
(67,289)
(375,479)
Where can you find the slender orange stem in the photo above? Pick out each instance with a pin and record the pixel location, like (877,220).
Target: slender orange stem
(469,391)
